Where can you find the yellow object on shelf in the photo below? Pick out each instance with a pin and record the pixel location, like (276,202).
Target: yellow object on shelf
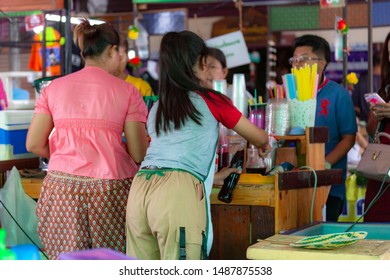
(251,179)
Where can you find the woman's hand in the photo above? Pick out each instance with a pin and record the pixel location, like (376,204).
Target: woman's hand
(221,175)
(265,150)
(381,111)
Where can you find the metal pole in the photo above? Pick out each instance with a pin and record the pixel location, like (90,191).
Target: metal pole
(135,16)
(370,62)
(268,53)
(14,58)
(68,38)
(44,56)
(345,54)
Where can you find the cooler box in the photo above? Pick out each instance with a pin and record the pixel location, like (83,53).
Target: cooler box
(13,132)
(9,117)
(14,135)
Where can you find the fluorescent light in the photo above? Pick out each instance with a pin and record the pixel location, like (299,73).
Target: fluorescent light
(73,20)
(131,54)
(38,29)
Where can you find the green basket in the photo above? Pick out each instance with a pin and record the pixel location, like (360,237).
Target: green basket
(150,100)
(41,83)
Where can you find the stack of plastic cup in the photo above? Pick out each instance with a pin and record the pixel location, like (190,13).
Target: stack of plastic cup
(277,117)
(220,85)
(239,98)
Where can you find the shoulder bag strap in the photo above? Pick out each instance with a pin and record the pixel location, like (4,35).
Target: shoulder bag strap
(379,127)
(381,134)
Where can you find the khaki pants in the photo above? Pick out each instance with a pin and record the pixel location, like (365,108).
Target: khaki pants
(156,209)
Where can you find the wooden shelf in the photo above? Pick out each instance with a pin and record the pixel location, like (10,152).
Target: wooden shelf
(252,195)
(292,137)
(25,163)
(305,179)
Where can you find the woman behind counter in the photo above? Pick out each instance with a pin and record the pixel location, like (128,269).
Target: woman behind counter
(380,115)
(166,210)
(83,198)
(143,87)
(218,70)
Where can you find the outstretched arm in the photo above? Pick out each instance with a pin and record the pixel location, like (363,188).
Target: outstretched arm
(342,148)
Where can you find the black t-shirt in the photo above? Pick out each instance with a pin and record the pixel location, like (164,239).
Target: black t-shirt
(77,60)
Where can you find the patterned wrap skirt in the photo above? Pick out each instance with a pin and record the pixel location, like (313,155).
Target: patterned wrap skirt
(79,213)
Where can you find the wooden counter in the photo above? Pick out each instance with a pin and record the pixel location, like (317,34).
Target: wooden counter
(276,248)
(265,206)
(32,186)
(261,210)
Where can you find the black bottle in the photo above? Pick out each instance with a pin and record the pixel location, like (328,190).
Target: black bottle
(226,193)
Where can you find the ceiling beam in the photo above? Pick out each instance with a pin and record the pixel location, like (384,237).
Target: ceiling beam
(23,5)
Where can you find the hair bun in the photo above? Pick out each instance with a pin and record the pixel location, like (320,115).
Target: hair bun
(82,29)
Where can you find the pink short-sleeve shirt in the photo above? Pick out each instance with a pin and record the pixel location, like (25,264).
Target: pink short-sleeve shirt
(89,109)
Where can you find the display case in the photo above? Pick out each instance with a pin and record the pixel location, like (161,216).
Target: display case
(18,86)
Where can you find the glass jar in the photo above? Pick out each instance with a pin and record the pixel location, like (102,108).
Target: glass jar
(254,163)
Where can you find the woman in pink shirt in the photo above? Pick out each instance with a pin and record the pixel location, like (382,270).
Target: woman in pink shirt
(78,123)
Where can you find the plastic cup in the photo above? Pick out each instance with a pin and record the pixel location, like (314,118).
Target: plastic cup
(221,86)
(257,115)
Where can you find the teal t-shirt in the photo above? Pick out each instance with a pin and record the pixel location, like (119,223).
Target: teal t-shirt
(335,110)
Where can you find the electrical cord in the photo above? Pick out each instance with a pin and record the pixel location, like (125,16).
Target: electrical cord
(380,192)
(20,227)
(314,190)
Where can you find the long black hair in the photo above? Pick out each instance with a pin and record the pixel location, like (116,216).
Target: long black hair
(384,90)
(218,55)
(179,54)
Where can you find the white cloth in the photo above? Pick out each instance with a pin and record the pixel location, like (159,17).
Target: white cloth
(208,185)
(354,155)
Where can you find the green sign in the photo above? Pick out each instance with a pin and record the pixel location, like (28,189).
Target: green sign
(294,18)
(19,14)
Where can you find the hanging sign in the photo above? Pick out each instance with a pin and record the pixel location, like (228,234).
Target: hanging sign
(33,21)
(332,3)
(233,46)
